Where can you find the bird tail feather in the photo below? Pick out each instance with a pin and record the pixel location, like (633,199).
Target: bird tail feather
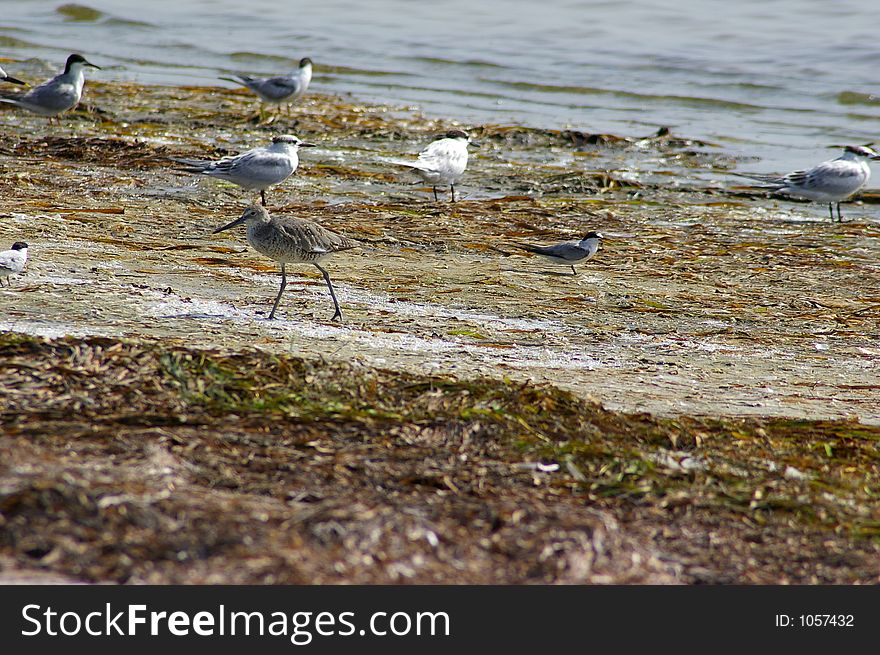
(235,80)
(189,165)
(406,164)
(528,247)
(766,179)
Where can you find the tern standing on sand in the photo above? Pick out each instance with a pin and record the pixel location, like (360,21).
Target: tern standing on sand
(12,261)
(831,181)
(290,240)
(443,161)
(256,169)
(568,253)
(281,90)
(56,96)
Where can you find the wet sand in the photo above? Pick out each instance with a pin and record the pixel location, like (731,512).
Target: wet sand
(698,303)
(704,303)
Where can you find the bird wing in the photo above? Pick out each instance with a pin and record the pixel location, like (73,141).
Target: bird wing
(229,164)
(274,88)
(51,95)
(313,238)
(277,88)
(209,167)
(437,155)
(570,252)
(835,176)
(258,165)
(10,259)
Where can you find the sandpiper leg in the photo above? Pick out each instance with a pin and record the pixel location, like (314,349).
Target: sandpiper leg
(452,191)
(839,216)
(573,271)
(263,196)
(280,291)
(435,194)
(338,313)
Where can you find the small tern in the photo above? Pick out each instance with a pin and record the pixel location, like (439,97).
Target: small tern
(568,253)
(280,90)
(7,78)
(256,169)
(831,181)
(443,161)
(57,95)
(12,261)
(290,240)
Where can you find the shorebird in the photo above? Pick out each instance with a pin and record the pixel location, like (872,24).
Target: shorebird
(6,78)
(290,240)
(56,96)
(280,90)
(13,261)
(443,161)
(255,169)
(831,181)
(568,253)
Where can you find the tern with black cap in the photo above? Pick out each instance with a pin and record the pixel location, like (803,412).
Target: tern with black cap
(12,261)
(568,253)
(57,95)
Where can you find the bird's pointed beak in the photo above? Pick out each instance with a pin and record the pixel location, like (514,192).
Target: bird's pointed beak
(14,80)
(305,144)
(237,221)
(475,144)
(88,63)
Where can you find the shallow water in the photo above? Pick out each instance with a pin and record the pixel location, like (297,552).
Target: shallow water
(780,81)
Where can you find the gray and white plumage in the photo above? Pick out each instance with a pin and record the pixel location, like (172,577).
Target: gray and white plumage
(443,161)
(12,261)
(831,181)
(8,78)
(57,95)
(280,89)
(289,240)
(568,253)
(256,169)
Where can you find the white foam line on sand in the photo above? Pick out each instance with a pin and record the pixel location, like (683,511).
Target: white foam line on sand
(50,330)
(173,307)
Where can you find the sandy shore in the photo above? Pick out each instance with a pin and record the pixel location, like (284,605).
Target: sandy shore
(702,305)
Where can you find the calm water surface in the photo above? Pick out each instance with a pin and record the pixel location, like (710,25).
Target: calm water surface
(782,80)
